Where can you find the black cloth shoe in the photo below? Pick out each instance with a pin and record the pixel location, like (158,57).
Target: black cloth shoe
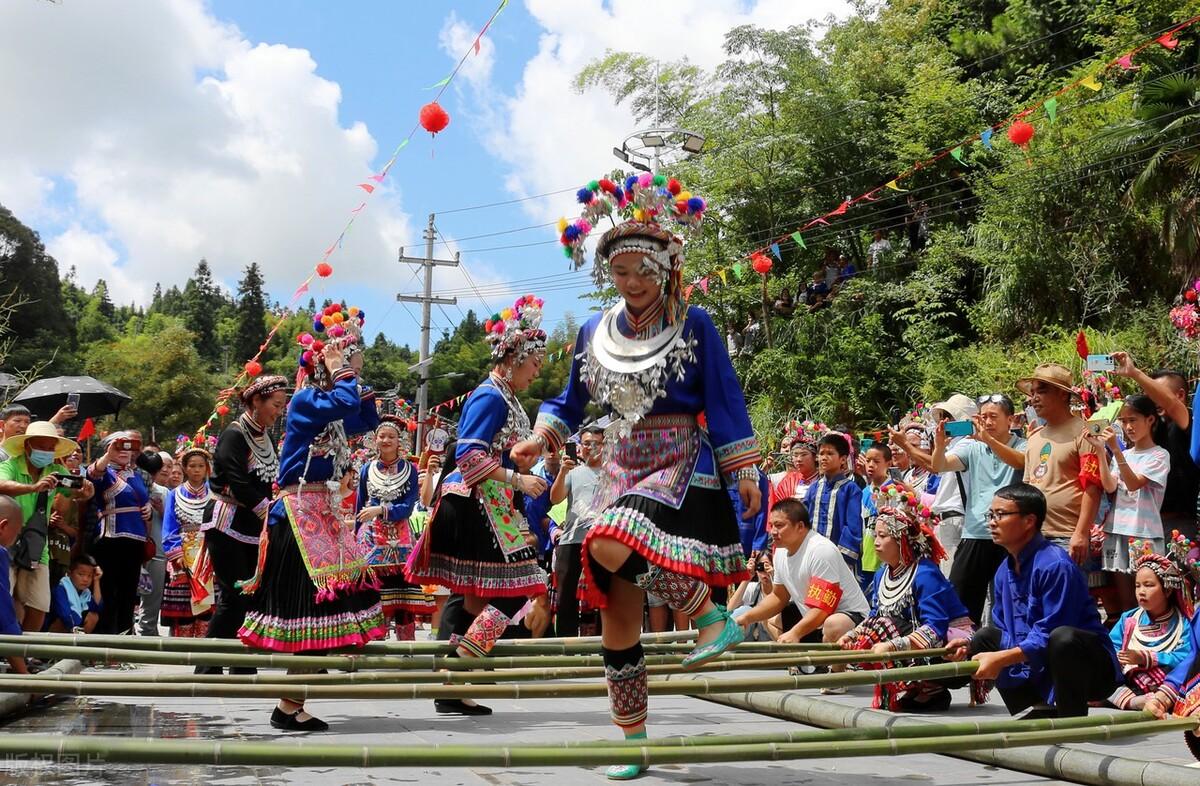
(936,702)
(281,720)
(209,670)
(242,670)
(459,707)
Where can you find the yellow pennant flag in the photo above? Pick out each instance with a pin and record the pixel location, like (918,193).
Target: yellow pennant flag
(892,184)
(1091,83)
(722,273)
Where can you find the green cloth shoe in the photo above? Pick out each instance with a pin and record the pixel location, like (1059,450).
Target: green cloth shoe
(731,636)
(626,772)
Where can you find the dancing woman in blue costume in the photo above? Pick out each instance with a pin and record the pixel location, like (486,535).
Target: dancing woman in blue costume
(661,520)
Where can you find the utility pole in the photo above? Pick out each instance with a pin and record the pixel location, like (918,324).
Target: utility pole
(426,300)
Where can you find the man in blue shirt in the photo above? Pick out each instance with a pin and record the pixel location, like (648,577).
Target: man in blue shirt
(1046,647)
(11,522)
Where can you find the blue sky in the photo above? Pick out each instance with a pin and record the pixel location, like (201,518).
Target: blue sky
(238,131)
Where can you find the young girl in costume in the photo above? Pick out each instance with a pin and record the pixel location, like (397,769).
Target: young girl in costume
(1155,637)
(386,496)
(477,542)
(188,595)
(913,604)
(313,590)
(661,520)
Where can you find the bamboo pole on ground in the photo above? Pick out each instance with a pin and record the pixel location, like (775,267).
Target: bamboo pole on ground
(516,648)
(697,686)
(109,750)
(480,677)
(426,662)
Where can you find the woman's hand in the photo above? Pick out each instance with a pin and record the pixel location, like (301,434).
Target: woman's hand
(370,512)
(531,485)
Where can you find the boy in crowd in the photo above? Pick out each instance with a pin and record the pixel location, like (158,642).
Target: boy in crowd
(834,501)
(75,602)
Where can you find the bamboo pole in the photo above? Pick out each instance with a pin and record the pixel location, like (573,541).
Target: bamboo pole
(426,662)
(517,647)
(109,750)
(470,677)
(697,686)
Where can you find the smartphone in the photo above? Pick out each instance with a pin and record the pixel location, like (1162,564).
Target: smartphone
(69,481)
(572,451)
(959,428)
(1097,426)
(1100,363)
(73,401)
(124,444)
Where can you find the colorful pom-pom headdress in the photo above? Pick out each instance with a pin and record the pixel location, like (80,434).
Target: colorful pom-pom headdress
(517,330)
(653,207)
(806,433)
(1178,569)
(911,524)
(335,325)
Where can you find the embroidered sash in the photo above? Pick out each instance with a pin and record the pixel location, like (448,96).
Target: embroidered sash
(333,558)
(497,501)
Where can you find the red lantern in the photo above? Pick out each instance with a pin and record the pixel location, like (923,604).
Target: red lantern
(433,118)
(1190,296)
(1020,132)
(324,269)
(222,410)
(761,263)
(410,425)
(253,368)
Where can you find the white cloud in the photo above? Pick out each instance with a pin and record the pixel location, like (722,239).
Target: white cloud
(551,137)
(181,139)
(456,37)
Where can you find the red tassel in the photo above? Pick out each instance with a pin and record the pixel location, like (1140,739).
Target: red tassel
(1081,345)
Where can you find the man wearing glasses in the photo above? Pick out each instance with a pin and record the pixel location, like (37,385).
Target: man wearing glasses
(576,483)
(1045,647)
(990,457)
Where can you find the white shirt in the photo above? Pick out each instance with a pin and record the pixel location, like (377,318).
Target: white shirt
(817,577)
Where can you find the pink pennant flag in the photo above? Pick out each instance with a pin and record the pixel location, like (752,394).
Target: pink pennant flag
(477,42)
(704,284)
(687,291)
(366,187)
(332,248)
(1126,62)
(814,222)
(1168,40)
(379,178)
(840,209)
(300,290)
(359,208)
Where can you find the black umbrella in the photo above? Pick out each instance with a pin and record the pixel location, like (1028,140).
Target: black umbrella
(47,396)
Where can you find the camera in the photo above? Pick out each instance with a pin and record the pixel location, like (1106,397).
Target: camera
(69,481)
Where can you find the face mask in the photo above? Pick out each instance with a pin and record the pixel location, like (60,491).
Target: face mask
(41,458)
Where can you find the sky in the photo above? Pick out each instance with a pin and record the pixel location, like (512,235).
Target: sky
(152,133)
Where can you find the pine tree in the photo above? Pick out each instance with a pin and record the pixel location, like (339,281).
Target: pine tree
(104,303)
(251,305)
(157,299)
(200,303)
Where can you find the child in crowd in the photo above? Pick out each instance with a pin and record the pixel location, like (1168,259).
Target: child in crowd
(1155,636)
(877,460)
(75,601)
(834,502)
(1138,475)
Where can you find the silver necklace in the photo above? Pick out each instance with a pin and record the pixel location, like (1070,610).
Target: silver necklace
(516,423)
(190,505)
(264,461)
(895,592)
(388,486)
(629,374)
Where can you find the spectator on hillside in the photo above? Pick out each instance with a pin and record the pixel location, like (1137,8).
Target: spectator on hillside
(990,458)
(846,270)
(76,599)
(11,524)
(816,295)
(879,256)
(784,306)
(831,267)
(30,478)
(1045,647)
(1173,430)
(1061,462)
(916,224)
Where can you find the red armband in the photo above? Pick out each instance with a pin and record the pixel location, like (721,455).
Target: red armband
(1089,471)
(823,595)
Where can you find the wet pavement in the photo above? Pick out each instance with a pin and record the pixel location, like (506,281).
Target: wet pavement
(416,723)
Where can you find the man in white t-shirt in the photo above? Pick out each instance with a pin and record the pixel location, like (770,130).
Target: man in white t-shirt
(810,572)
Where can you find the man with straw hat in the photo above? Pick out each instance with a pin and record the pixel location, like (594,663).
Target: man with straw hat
(29,477)
(1060,462)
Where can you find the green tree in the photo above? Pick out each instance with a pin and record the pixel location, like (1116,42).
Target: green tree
(201,301)
(251,310)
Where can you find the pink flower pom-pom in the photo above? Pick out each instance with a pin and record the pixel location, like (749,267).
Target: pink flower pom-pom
(584,226)
(306,339)
(926,512)
(307,356)
(336,330)
(645,180)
